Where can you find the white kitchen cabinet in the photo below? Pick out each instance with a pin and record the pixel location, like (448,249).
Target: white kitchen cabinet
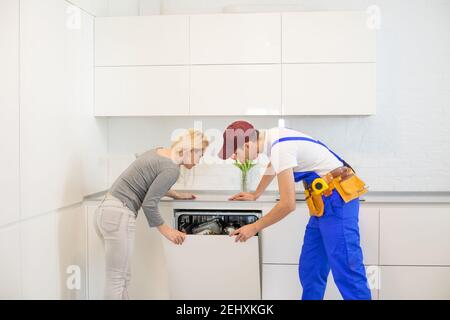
(205,267)
(142,91)
(10,269)
(414,283)
(235,38)
(95,256)
(236,89)
(369,233)
(316,37)
(418,235)
(282,242)
(281,282)
(329,89)
(146,40)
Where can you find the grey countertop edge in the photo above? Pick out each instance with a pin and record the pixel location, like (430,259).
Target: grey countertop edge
(271,196)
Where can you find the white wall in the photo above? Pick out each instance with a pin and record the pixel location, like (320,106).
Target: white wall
(406,146)
(53,151)
(57,129)
(9,111)
(112,7)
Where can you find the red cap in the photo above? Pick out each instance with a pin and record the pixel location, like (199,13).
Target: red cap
(234,136)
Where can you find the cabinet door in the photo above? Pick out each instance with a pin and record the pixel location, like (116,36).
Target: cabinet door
(281,282)
(417,235)
(329,89)
(312,37)
(414,283)
(236,90)
(282,242)
(369,232)
(96,256)
(149,40)
(235,38)
(141,91)
(213,267)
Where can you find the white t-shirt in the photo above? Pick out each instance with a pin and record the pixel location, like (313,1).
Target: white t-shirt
(302,156)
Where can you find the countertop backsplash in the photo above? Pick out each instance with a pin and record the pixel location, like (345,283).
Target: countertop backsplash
(204,176)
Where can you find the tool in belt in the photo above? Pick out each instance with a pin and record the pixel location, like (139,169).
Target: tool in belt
(343,179)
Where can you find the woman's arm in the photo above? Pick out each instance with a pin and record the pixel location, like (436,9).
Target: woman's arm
(159,187)
(180,195)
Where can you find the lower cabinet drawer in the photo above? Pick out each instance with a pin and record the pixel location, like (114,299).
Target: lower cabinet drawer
(415,236)
(282,242)
(281,282)
(213,267)
(414,283)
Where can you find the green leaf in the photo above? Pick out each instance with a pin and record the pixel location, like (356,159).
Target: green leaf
(244,167)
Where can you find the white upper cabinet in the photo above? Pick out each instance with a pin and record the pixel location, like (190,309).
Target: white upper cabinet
(236,90)
(329,89)
(235,38)
(142,91)
(146,40)
(302,63)
(327,37)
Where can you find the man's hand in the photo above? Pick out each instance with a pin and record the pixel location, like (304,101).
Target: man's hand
(244,196)
(175,236)
(245,233)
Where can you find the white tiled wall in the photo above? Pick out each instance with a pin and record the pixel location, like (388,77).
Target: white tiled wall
(405,147)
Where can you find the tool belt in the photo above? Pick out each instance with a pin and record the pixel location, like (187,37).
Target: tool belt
(343,179)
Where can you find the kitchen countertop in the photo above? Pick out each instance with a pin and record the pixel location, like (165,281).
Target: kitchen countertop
(272,196)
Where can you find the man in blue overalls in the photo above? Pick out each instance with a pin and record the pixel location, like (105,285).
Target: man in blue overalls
(332,237)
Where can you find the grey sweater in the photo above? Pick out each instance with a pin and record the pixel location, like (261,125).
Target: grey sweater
(144,182)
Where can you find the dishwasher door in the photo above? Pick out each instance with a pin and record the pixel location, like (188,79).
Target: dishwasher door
(214,267)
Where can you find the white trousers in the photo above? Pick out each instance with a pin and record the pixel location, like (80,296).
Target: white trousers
(116,225)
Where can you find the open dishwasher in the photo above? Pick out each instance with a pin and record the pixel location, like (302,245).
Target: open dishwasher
(210,264)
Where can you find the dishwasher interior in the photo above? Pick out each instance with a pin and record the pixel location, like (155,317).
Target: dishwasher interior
(213,222)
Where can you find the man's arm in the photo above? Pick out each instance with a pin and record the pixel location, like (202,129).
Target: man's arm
(286,205)
(267,178)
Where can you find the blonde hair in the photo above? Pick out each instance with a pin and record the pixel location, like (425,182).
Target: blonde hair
(191,139)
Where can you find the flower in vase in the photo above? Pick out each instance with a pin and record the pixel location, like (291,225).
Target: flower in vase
(245,168)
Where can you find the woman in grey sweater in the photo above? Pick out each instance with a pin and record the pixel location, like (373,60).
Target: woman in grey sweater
(142,185)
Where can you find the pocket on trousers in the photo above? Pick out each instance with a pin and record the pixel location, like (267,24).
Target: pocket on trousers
(336,200)
(110,219)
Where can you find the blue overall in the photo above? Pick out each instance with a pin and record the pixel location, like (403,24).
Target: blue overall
(331,242)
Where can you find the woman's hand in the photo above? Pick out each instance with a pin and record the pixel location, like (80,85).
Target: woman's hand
(175,236)
(181,195)
(244,196)
(245,233)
